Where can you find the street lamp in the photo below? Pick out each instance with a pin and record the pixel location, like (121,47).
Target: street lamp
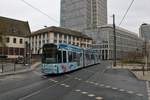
(114,32)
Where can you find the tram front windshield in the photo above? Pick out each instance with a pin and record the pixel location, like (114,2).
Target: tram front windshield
(49,54)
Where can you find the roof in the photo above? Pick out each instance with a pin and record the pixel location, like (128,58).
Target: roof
(60,30)
(14,27)
(119,28)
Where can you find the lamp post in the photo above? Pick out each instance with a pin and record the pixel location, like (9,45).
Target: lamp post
(114,32)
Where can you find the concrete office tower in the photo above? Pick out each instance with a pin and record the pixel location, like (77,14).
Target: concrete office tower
(83,14)
(145,31)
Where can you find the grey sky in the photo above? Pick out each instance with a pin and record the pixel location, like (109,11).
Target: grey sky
(138,14)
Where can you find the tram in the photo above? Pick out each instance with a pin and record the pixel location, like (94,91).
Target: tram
(62,58)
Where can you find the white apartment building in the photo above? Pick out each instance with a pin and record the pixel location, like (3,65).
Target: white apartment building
(57,35)
(126,42)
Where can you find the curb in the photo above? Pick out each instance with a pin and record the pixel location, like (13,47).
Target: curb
(33,67)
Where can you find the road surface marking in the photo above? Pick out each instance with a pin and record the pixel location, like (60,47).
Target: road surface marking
(139,94)
(96,83)
(87,81)
(76,78)
(99,98)
(77,90)
(114,88)
(108,86)
(67,86)
(102,85)
(91,95)
(121,90)
(53,80)
(130,92)
(62,84)
(37,92)
(84,92)
(92,82)
(32,94)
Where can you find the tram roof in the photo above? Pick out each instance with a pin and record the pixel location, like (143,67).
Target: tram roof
(69,47)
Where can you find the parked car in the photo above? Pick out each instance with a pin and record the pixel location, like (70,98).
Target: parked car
(19,60)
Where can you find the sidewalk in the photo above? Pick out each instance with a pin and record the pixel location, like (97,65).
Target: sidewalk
(31,68)
(138,74)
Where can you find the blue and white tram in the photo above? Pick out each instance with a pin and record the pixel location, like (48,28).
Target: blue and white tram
(63,58)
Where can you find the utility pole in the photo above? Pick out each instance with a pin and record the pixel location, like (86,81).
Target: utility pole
(114,31)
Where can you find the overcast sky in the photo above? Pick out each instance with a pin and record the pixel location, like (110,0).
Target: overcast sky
(138,14)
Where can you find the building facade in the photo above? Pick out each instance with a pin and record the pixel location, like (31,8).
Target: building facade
(83,14)
(14,35)
(57,35)
(145,31)
(126,42)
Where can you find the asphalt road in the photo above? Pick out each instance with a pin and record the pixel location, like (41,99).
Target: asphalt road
(97,82)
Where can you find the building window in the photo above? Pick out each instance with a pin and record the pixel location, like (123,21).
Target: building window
(55,41)
(7,40)
(55,36)
(65,37)
(21,41)
(39,36)
(43,35)
(60,41)
(73,38)
(14,40)
(60,36)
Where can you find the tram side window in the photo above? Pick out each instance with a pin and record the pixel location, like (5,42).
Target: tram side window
(70,56)
(59,59)
(87,56)
(64,57)
(74,57)
(92,56)
(78,56)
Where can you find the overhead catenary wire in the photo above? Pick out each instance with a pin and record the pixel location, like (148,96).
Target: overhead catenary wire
(37,9)
(126,12)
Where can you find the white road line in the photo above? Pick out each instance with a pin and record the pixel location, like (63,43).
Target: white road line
(77,90)
(67,86)
(139,94)
(91,95)
(62,84)
(87,81)
(96,84)
(92,82)
(84,92)
(37,92)
(114,88)
(108,86)
(99,98)
(102,85)
(32,94)
(130,92)
(53,80)
(121,90)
